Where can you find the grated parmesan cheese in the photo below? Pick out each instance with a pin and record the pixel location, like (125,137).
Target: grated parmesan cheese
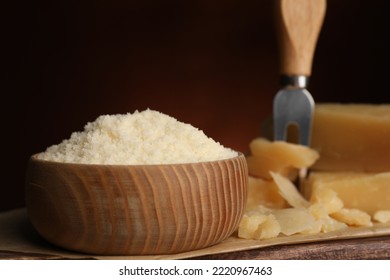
(146,137)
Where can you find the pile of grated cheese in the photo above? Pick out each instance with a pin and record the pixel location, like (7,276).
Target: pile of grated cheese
(146,137)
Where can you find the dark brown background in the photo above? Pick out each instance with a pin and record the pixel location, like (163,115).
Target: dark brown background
(209,63)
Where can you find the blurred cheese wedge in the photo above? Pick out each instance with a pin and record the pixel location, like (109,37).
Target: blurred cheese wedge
(279,157)
(352,137)
(369,192)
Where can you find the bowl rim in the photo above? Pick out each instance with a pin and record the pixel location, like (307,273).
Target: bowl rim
(35,159)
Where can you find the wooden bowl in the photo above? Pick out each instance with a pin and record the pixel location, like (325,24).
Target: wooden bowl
(136,209)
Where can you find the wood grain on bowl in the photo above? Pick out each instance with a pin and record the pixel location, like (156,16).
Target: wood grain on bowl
(141,209)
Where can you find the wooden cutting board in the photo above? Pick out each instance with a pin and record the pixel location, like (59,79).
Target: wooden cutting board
(18,240)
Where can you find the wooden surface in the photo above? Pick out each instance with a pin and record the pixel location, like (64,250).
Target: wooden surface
(366,248)
(20,255)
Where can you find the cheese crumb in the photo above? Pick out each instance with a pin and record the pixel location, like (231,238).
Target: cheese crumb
(146,137)
(353,217)
(382,216)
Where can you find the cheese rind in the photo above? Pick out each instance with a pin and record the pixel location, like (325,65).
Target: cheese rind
(352,137)
(368,192)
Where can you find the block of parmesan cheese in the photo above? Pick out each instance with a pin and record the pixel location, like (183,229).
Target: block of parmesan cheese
(352,137)
(369,192)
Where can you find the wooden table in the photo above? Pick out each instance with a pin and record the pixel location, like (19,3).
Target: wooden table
(361,248)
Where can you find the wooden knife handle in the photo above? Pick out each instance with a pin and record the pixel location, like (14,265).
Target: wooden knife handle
(299,23)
